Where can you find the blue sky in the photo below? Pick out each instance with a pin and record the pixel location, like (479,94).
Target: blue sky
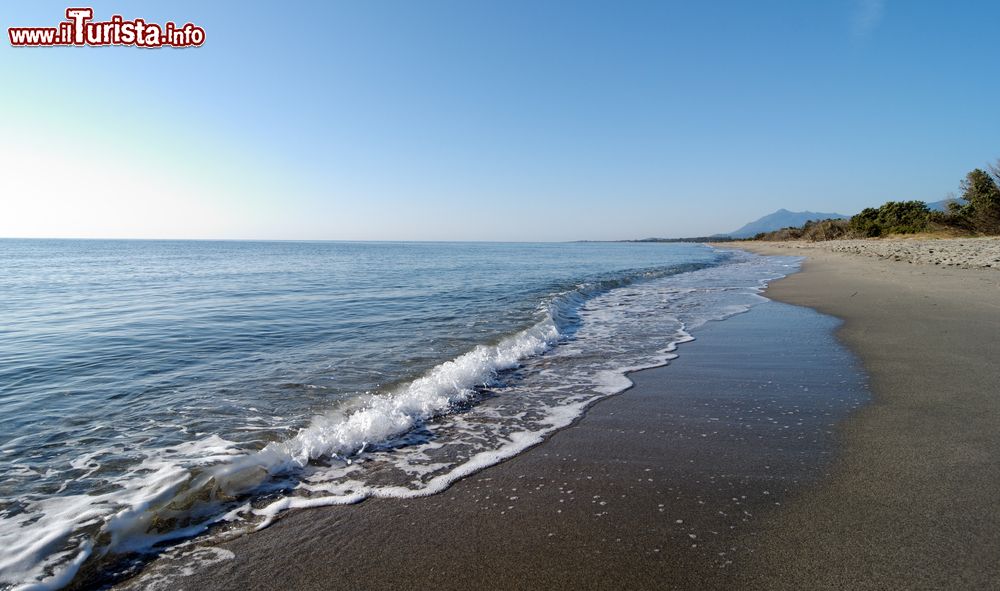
(457,120)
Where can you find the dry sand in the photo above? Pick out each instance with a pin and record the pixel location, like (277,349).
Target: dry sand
(948,252)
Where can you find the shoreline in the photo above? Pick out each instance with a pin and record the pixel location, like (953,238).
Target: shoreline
(899,494)
(666,483)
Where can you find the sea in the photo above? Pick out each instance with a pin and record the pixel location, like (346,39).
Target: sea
(158,392)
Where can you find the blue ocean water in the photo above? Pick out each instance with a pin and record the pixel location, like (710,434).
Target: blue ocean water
(155,390)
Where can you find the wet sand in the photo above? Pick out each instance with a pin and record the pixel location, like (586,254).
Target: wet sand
(664,486)
(736,467)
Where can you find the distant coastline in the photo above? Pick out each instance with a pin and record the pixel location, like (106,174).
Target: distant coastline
(698,239)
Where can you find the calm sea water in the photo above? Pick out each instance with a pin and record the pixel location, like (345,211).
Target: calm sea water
(153,390)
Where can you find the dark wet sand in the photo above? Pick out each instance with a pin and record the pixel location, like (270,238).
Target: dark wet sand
(665,486)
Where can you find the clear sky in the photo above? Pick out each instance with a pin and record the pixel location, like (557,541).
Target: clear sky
(503,120)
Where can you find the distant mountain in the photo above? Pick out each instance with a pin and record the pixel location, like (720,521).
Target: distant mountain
(943,204)
(781,219)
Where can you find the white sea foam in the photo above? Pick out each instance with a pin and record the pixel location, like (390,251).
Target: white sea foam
(415,440)
(384,416)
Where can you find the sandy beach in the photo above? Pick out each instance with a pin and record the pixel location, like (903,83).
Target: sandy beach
(762,458)
(911,502)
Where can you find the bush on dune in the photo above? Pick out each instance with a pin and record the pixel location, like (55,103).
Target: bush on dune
(894,217)
(813,230)
(825,230)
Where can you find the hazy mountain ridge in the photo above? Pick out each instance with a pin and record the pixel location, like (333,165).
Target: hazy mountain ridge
(781,219)
(943,204)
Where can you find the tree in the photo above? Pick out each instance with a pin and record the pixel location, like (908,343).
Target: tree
(995,171)
(982,202)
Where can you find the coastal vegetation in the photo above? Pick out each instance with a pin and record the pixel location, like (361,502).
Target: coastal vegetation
(975,213)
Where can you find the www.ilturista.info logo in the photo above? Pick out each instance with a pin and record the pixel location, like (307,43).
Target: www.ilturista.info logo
(79,29)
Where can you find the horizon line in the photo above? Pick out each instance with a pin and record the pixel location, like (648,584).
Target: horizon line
(443,241)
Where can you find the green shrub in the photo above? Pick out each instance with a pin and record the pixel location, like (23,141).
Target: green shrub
(813,230)
(816,231)
(894,217)
(865,224)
